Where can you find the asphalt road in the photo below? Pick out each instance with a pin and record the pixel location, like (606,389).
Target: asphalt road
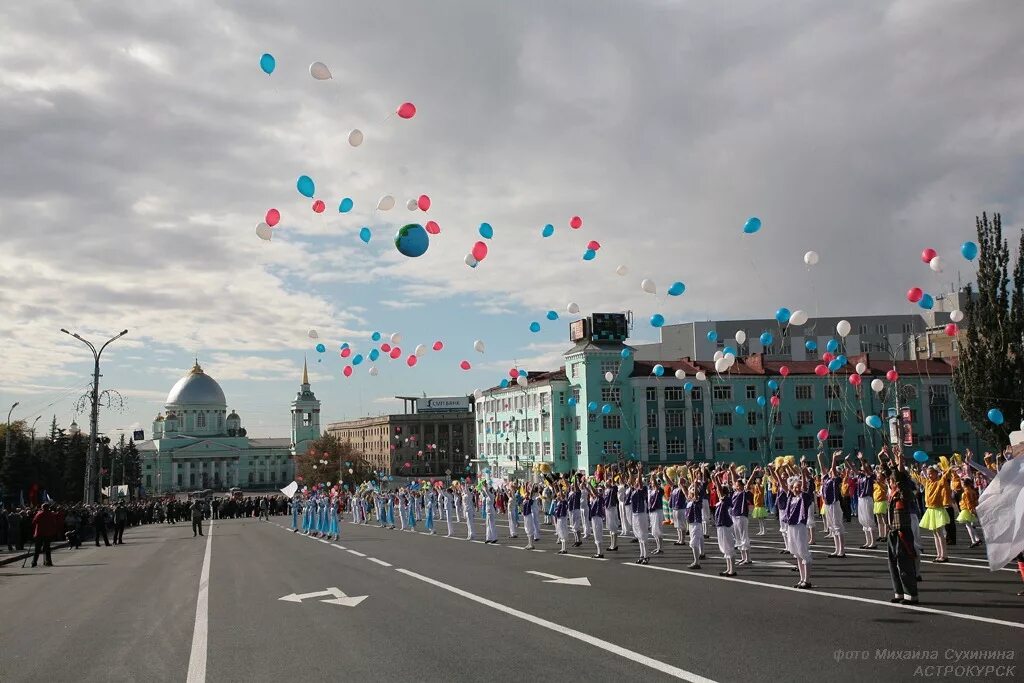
(445,609)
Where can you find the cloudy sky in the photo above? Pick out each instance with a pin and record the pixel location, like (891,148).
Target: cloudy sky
(142,144)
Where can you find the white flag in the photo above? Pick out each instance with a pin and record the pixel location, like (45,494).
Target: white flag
(290,489)
(1001,511)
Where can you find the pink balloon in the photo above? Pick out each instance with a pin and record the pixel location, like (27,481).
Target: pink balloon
(593,245)
(951,330)
(775,401)
(892,375)
(346,352)
(822,435)
(319,206)
(273,217)
(433,228)
(347,371)
(855,379)
(827,356)
(914,294)
(928,254)
(385,347)
(479,251)
(575,222)
(465,365)
(406,110)
(784,371)
(513,373)
(407,465)
(411,360)
(820,370)
(438,345)
(423,202)
(395,352)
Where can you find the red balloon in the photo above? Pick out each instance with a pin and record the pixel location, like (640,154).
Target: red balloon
(821,370)
(892,375)
(319,206)
(822,435)
(407,465)
(479,251)
(406,110)
(513,373)
(775,401)
(593,245)
(784,371)
(465,365)
(347,371)
(928,254)
(385,347)
(914,294)
(438,345)
(951,330)
(346,352)
(827,356)
(395,352)
(855,379)
(411,360)
(423,202)
(575,222)
(433,228)
(273,217)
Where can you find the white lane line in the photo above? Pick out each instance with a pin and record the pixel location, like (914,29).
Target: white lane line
(356,553)
(840,596)
(339,547)
(585,557)
(875,557)
(380,562)
(631,655)
(200,634)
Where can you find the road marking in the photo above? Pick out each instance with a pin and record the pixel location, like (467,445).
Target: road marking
(585,557)
(554,578)
(840,596)
(339,547)
(663,667)
(355,552)
(339,597)
(380,562)
(200,635)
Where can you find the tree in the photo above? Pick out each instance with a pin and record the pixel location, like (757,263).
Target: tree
(75,455)
(991,369)
(310,470)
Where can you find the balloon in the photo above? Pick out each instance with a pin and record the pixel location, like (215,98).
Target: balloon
(375,336)
(575,222)
(820,370)
(606,409)
(701,376)
(406,110)
(347,371)
(593,245)
(573,308)
(320,348)
(478,346)
(305,186)
(926,302)
(811,345)
(626,353)
(421,350)
(411,360)
(727,350)
(721,365)
(486,231)
(775,401)
(374,354)
(465,365)
(861,368)
(345,206)
(438,345)
(657,320)
(873,421)
(345,352)
(621,270)
(319,206)
(411,205)
(535,327)
(952,330)
(741,337)
(386,203)
(834,365)
(761,401)
(268,63)
(273,217)
(832,345)
(385,347)
(365,234)
(920,456)
(319,71)
(423,202)
(928,254)
(892,375)
(773,385)
(395,352)
(589,255)
(470,261)
(969,250)
(648,286)
(822,435)
(877,385)
(855,379)
(914,294)
(396,338)
(784,371)
(357,359)
(521,381)
(995,416)
(718,355)
(752,225)
(552,315)
(658,370)
(937,264)
(843,328)
(712,336)
(680,374)
(373,371)
(766,339)
(312,334)
(592,406)
(479,251)
(609,376)
(956,315)
(688,386)
(571,401)
(811,258)
(504,384)
(782,315)
(676,289)
(412,240)
(740,410)
(798,318)
(827,356)
(355,137)
(547,231)
(433,228)
(264,232)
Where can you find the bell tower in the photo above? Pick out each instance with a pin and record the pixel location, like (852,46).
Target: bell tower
(305,414)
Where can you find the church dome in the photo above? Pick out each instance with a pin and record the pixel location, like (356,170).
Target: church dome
(196,389)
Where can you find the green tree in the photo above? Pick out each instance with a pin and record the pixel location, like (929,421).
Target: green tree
(337,453)
(75,454)
(991,369)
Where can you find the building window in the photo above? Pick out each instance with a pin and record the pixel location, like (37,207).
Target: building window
(611,421)
(547,449)
(721,392)
(561,424)
(576,422)
(939,415)
(675,446)
(883,330)
(833,391)
(698,419)
(613,448)
(572,370)
(652,393)
(220,421)
(720,344)
(835,441)
(307,419)
(804,417)
(201,420)
(611,394)
(673,393)
(940,441)
(149,480)
(832,417)
(780,443)
(652,420)
(576,395)
(563,449)
(752,419)
(698,444)
(652,446)
(804,392)
(180,478)
(579,449)
(752,444)
(938,394)
(723,445)
(723,419)
(805,443)
(751,392)
(695,395)
(674,419)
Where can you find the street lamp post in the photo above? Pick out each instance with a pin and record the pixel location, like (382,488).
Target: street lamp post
(7,434)
(90,463)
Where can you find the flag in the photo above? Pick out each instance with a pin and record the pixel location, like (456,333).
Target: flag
(46,497)
(1001,511)
(290,489)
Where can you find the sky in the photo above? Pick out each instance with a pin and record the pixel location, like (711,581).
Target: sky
(142,144)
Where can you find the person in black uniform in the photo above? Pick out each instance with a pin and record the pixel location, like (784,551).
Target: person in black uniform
(99,523)
(120,517)
(197,518)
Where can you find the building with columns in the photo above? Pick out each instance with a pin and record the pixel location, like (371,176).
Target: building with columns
(198,444)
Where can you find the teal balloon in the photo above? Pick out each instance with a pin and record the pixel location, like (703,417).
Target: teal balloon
(752,225)
(811,345)
(740,410)
(375,336)
(842,360)
(920,456)
(834,365)
(712,336)
(504,383)
(412,240)
(552,315)
(767,338)
(606,409)
(305,186)
(365,235)
(320,348)
(589,255)
(357,359)
(268,63)
(657,320)
(773,385)
(873,421)
(535,326)
(729,349)
(374,354)
(676,289)
(688,386)
(344,345)
(521,372)
(547,231)
(926,302)
(831,346)
(625,353)
(782,315)
(761,401)
(995,416)
(659,370)
(486,231)
(969,250)
(346,205)
(571,401)
(592,406)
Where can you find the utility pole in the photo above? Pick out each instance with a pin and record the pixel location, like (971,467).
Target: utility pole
(91,463)
(7,434)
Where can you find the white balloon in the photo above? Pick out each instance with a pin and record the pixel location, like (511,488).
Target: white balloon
(811,258)
(861,368)
(680,374)
(421,350)
(573,308)
(721,365)
(264,232)
(648,286)
(313,335)
(956,316)
(396,338)
(937,264)
(609,376)
(355,137)
(718,355)
(702,376)
(478,346)
(730,357)
(797,318)
(412,205)
(621,270)
(877,385)
(741,336)
(521,381)
(471,261)
(319,71)
(843,327)
(373,371)
(478,394)
(386,203)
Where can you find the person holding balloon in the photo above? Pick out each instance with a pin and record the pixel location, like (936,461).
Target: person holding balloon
(639,516)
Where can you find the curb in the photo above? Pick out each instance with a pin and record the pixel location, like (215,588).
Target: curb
(10,560)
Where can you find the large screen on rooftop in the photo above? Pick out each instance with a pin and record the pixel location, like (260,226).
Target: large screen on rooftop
(609,327)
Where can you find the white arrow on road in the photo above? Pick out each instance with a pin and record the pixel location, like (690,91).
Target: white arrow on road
(552,578)
(339,597)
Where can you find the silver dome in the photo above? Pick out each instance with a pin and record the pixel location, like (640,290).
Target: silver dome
(196,389)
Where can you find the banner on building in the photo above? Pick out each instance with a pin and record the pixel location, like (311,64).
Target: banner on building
(907,418)
(443,404)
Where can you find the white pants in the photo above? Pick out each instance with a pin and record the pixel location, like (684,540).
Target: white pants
(492,527)
(562,529)
(677,521)
(403,512)
(536,524)
(574,520)
(640,531)
(656,518)
(834,517)
(697,538)
(512,523)
(597,525)
(740,530)
(448,519)
(866,513)
(584,519)
(784,530)
(469,526)
(530,524)
(725,541)
(611,518)
(624,518)
(799,542)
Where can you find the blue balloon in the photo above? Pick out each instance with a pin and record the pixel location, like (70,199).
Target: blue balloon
(926,302)
(834,365)
(752,225)
(625,353)
(521,373)
(375,336)
(412,240)
(343,345)
(346,205)
(374,354)
(920,456)
(995,416)
(831,346)
(767,339)
(606,409)
(504,383)
(842,360)
(535,326)
(592,406)
(729,349)
(969,250)
(547,231)
(268,63)
(571,401)
(305,186)
(357,359)
(688,386)
(712,336)
(658,370)
(811,345)
(486,231)
(873,421)
(740,410)
(552,315)
(657,320)
(761,401)
(589,255)
(676,289)
(773,385)
(782,315)
(320,348)
(365,235)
